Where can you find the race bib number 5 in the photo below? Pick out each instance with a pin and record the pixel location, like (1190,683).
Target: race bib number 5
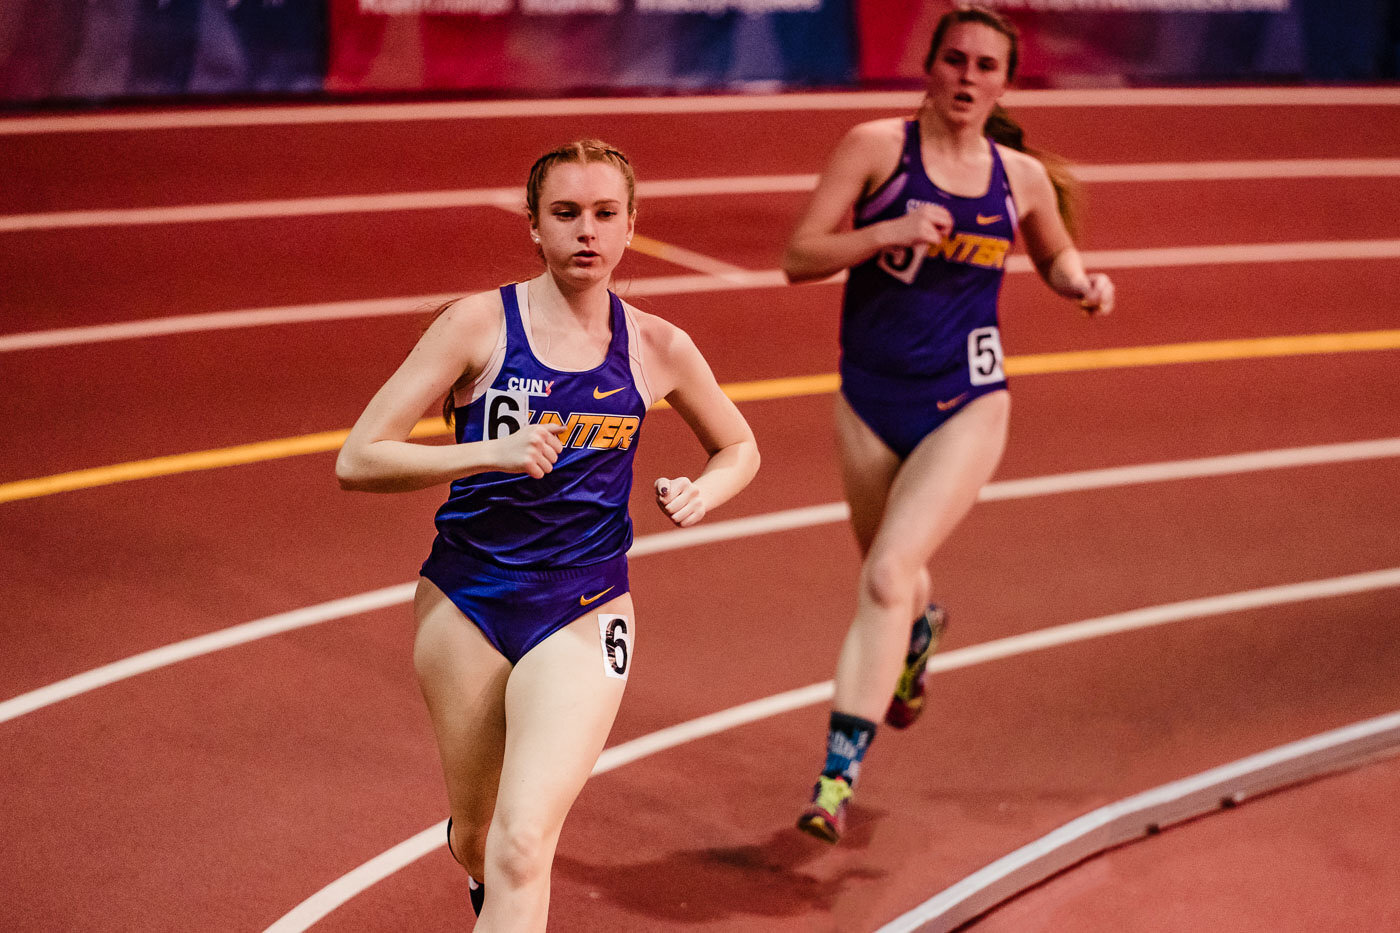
(617,644)
(903,262)
(984,356)
(506,413)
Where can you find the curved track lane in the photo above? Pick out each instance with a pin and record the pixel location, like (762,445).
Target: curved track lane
(222,791)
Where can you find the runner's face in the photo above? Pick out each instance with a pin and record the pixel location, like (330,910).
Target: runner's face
(968,75)
(583,225)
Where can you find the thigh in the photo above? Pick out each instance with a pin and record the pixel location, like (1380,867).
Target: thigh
(463,679)
(868,467)
(561,700)
(938,483)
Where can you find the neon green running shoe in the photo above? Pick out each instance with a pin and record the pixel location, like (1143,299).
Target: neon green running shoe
(908,700)
(825,816)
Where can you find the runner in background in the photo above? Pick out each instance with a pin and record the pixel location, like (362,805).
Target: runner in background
(922,413)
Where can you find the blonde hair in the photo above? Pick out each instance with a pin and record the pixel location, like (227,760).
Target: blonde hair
(582,151)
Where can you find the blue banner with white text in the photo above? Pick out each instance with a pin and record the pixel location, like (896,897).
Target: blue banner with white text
(99,49)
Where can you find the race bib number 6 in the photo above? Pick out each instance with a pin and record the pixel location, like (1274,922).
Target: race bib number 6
(617,645)
(984,356)
(506,413)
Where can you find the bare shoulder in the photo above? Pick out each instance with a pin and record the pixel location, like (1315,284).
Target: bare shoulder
(1022,166)
(876,139)
(885,129)
(471,313)
(463,336)
(661,340)
(1030,182)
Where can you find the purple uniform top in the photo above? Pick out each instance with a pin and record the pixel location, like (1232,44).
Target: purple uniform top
(915,311)
(576,515)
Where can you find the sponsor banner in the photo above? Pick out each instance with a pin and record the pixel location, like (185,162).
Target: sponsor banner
(1105,42)
(569,46)
(57,49)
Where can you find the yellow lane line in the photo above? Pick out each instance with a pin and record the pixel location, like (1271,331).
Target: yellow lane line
(1205,352)
(680,256)
(758,390)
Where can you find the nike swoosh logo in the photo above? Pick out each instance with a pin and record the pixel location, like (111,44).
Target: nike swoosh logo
(598,393)
(590,600)
(983,219)
(944,406)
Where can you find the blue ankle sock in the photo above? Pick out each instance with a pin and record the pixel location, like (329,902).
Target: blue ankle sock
(847,738)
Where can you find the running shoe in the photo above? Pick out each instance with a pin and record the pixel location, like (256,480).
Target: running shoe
(825,816)
(908,700)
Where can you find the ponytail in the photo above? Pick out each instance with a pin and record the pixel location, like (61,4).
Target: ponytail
(1069,194)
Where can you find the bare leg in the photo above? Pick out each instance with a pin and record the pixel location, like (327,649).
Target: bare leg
(868,469)
(930,494)
(560,706)
(463,679)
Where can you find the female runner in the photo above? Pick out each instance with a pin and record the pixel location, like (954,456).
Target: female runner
(922,413)
(526,631)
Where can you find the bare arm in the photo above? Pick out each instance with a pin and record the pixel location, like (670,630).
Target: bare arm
(819,245)
(1048,243)
(378,455)
(696,396)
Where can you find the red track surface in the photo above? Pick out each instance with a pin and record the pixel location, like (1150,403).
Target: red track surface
(218,793)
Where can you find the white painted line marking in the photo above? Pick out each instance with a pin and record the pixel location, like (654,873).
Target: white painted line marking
(307,114)
(1150,258)
(513,199)
(1244,170)
(167,655)
(323,902)
(731,529)
(1130,818)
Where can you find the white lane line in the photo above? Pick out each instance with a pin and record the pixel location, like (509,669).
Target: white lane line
(1143,814)
(167,655)
(731,529)
(1239,254)
(1198,468)
(323,902)
(307,114)
(1149,258)
(1242,170)
(513,199)
(254,210)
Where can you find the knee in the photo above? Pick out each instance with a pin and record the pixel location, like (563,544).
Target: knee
(890,581)
(521,854)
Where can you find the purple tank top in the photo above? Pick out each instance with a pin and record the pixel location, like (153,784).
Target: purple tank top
(576,514)
(908,311)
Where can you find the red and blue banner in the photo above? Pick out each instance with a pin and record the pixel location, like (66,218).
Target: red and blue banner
(1142,42)
(570,46)
(56,50)
(98,49)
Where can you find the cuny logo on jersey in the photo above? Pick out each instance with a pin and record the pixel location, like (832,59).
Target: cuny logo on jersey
(530,386)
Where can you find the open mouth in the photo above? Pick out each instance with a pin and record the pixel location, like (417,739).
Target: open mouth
(963,97)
